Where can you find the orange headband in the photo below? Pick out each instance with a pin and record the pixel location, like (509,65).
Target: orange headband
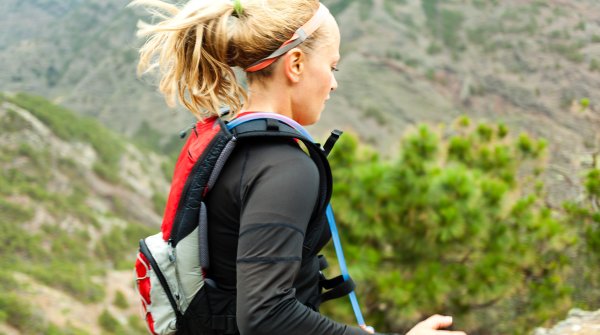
(299,36)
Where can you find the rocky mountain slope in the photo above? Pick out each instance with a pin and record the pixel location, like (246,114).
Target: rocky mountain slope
(71,214)
(578,322)
(81,54)
(532,64)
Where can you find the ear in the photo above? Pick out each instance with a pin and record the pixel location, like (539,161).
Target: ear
(294,64)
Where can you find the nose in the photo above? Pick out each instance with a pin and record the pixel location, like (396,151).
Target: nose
(334,83)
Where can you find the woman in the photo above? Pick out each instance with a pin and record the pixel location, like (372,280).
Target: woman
(262,205)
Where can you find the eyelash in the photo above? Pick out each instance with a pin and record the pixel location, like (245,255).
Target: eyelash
(334,68)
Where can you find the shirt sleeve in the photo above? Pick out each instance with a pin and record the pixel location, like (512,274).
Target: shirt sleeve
(277,202)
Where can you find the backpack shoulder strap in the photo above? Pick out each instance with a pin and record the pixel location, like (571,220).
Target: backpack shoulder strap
(274,125)
(208,153)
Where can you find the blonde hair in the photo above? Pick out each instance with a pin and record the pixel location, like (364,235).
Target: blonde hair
(195,47)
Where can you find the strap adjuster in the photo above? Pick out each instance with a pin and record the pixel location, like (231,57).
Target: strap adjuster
(335,135)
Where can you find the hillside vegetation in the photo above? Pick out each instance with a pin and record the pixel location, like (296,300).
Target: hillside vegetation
(459,224)
(74,200)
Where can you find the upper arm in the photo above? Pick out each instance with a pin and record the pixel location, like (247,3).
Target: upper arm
(277,203)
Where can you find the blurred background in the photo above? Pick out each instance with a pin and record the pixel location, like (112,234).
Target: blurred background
(467,183)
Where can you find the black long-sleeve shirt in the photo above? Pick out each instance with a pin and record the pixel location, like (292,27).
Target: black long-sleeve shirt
(259,211)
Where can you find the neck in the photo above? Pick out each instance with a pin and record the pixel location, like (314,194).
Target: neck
(271,97)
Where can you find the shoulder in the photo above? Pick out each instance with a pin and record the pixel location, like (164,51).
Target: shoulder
(273,154)
(278,162)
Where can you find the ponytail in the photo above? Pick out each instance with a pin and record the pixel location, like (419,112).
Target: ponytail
(195,47)
(190,50)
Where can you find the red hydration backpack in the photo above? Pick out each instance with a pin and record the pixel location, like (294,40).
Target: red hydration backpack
(171,265)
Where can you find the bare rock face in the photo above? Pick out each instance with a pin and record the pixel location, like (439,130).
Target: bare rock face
(578,322)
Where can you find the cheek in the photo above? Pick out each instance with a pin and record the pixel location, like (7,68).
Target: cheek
(325,81)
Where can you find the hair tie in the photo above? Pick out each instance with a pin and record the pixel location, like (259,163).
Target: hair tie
(237,8)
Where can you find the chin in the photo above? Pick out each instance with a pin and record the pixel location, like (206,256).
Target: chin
(306,123)
(311,121)
(309,118)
